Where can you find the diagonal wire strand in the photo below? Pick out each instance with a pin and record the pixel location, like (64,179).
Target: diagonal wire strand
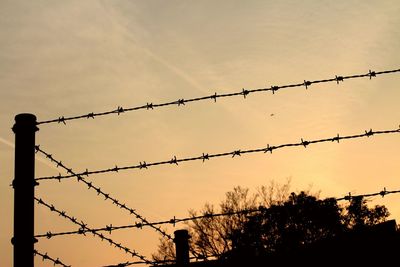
(83,227)
(48,258)
(174,220)
(204,157)
(244,93)
(100,192)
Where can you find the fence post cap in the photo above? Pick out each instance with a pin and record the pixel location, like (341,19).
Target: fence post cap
(25,121)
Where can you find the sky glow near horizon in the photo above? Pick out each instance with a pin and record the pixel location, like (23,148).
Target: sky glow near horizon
(66,58)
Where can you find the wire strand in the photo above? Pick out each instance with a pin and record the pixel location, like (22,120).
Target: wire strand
(48,258)
(128,263)
(204,157)
(244,92)
(174,220)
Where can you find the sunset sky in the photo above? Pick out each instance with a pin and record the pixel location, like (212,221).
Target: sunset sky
(67,58)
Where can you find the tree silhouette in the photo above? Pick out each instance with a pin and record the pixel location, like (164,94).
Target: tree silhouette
(301,220)
(288,223)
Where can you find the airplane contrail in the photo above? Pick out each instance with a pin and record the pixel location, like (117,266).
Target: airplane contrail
(6,142)
(39,158)
(173,68)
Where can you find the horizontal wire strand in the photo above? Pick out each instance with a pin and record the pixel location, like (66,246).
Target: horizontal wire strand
(128,263)
(244,93)
(174,220)
(204,157)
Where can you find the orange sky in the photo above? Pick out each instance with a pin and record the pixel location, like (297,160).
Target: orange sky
(71,58)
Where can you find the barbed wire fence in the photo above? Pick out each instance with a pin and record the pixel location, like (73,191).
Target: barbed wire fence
(25,181)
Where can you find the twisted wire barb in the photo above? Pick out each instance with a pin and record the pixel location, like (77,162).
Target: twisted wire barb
(100,192)
(204,157)
(174,220)
(244,93)
(84,228)
(47,257)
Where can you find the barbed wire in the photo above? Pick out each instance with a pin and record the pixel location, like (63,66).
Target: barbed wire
(204,157)
(100,192)
(84,228)
(47,257)
(244,93)
(129,263)
(381,193)
(174,220)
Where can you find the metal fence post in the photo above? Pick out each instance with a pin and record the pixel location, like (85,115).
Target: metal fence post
(24,185)
(182,247)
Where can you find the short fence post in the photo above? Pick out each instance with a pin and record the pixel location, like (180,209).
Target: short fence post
(181,241)
(24,189)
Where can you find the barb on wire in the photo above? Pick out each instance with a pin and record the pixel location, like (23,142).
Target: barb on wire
(47,257)
(174,220)
(244,93)
(224,154)
(84,228)
(381,193)
(100,192)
